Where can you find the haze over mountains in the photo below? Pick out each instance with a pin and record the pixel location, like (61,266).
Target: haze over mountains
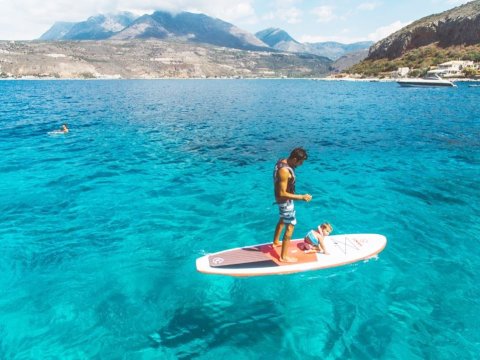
(194,28)
(98,27)
(281,40)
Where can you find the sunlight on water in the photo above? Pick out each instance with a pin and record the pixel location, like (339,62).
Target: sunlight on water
(100,228)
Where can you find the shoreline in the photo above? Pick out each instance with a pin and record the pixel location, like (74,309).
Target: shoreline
(326,78)
(345,79)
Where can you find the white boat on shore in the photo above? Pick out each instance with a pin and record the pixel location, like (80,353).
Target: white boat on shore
(430,80)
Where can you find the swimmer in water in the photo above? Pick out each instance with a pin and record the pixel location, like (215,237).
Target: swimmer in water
(64,128)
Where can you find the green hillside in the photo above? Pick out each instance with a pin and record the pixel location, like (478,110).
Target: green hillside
(420,60)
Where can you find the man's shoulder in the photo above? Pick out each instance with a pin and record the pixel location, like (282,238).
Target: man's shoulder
(284,171)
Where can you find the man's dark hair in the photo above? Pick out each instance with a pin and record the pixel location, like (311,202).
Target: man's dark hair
(299,154)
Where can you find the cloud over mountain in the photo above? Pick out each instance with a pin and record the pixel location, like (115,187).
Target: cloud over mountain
(197,28)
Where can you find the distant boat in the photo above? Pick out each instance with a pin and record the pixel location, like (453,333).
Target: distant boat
(430,80)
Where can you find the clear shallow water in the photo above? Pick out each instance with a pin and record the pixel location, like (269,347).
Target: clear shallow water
(100,229)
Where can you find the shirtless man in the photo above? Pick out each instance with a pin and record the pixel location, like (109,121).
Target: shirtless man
(284,183)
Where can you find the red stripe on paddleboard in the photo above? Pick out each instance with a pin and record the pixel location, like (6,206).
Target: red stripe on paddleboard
(262,253)
(295,249)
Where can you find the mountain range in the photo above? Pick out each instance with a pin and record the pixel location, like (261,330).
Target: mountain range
(193,28)
(196,45)
(279,39)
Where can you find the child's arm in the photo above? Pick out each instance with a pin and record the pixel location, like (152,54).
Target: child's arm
(321,244)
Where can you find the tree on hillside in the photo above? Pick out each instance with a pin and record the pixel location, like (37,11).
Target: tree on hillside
(469,72)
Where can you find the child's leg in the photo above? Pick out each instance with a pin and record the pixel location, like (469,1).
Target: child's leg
(308,248)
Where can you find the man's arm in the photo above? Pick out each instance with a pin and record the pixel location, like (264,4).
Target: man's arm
(284,175)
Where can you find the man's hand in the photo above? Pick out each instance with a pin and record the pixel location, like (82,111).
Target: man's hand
(307,197)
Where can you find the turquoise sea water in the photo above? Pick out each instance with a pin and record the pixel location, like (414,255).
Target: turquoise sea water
(100,228)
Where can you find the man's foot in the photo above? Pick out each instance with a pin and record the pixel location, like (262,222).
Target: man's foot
(289,259)
(277,244)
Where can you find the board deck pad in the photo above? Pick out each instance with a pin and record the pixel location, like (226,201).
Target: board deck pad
(260,255)
(264,259)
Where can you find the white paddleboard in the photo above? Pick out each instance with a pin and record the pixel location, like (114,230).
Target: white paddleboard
(263,259)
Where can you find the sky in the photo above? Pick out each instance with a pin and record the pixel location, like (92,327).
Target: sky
(345,21)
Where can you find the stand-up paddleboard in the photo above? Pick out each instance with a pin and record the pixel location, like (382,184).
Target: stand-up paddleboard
(263,259)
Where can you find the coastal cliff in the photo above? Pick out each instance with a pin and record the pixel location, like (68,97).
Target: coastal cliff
(458,26)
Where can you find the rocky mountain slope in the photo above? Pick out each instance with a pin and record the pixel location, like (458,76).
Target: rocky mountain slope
(137,58)
(195,28)
(335,50)
(57,31)
(94,28)
(281,40)
(275,36)
(458,26)
(349,59)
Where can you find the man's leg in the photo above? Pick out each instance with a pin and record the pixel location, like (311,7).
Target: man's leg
(286,243)
(278,231)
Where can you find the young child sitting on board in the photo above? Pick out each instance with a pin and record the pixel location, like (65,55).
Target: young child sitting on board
(313,241)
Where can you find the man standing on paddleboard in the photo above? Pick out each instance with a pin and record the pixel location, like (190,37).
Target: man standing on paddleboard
(284,183)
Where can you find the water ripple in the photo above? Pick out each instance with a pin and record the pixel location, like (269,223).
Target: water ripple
(100,228)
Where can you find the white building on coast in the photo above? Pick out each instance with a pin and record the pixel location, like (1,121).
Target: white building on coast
(453,69)
(402,72)
(449,69)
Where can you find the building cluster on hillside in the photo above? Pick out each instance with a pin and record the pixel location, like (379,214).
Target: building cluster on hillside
(450,69)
